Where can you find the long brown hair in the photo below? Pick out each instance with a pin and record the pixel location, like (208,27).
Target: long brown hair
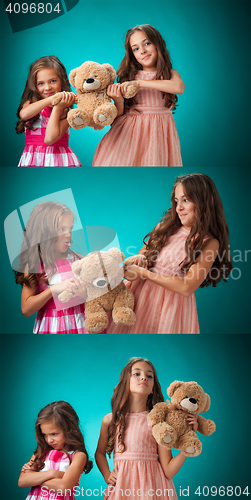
(40,236)
(30,92)
(120,403)
(129,65)
(209,219)
(63,416)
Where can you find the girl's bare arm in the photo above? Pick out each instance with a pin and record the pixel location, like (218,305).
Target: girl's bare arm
(29,477)
(100,455)
(70,477)
(32,109)
(57,127)
(173,86)
(170,465)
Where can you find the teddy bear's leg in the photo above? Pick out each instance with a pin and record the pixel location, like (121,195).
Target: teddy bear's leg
(105,114)
(96,318)
(189,444)
(122,312)
(57,98)
(164,434)
(65,296)
(78,118)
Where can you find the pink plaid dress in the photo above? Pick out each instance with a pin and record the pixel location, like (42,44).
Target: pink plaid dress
(54,460)
(38,154)
(139,472)
(143,138)
(54,316)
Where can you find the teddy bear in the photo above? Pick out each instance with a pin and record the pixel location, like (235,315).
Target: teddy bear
(95,108)
(170,427)
(102,275)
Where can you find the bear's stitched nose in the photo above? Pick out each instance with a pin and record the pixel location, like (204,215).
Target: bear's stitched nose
(192,400)
(90,80)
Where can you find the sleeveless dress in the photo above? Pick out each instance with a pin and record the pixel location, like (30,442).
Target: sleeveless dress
(54,460)
(38,154)
(139,473)
(143,138)
(54,316)
(159,310)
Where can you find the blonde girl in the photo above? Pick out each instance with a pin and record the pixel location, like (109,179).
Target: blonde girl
(46,127)
(60,457)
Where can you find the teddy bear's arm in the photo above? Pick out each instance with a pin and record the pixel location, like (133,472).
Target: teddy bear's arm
(205,426)
(158,413)
(130,260)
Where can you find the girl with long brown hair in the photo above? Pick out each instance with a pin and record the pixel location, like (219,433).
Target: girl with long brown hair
(141,467)
(45,271)
(144,133)
(188,249)
(60,457)
(46,128)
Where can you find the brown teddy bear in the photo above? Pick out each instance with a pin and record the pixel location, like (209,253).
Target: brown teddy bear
(170,428)
(95,108)
(102,275)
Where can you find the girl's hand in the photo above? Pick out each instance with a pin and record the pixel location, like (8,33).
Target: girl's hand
(60,287)
(28,467)
(193,421)
(112,478)
(77,287)
(132,273)
(58,474)
(114,91)
(68,98)
(141,262)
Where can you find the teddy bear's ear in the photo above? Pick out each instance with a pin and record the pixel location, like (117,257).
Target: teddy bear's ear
(172,388)
(207,406)
(116,254)
(76,266)
(72,75)
(111,71)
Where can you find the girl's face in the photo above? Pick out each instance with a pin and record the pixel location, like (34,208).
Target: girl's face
(184,208)
(53,435)
(64,233)
(48,82)
(142,378)
(144,51)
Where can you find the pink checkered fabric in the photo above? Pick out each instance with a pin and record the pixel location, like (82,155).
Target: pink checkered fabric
(56,317)
(38,154)
(55,460)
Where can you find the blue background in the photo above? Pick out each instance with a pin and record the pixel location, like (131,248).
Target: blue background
(209,45)
(131,202)
(83,370)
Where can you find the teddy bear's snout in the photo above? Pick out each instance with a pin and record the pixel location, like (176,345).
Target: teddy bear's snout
(91,84)
(190,404)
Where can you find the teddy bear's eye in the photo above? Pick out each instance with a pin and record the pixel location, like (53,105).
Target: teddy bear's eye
(99,282)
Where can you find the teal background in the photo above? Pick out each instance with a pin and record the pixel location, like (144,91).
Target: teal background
(209,44)
(131,202)
(83,370)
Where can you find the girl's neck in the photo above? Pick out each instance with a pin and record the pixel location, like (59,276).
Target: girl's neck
(137,403)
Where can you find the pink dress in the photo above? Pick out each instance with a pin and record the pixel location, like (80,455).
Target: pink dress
(139,473)
(143,138)
(159,310)
(54,316)
(38,154)
(54,460)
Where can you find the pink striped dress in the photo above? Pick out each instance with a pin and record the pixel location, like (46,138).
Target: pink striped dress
(54,316)
(139,473)
(54,460)
(143,138)
(38,154)
(159,310)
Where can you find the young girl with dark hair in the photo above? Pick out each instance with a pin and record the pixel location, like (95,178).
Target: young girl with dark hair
(188,249)
(46,128)
(60,457)
(45,271)
(142,468)
(144,134)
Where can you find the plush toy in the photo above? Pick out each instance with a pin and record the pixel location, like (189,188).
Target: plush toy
(102,275)
(95,108)
(170,428)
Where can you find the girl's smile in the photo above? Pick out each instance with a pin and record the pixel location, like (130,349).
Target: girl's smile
(184,208)
(48,82)
(144,51)
(53,435)
(64,233)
